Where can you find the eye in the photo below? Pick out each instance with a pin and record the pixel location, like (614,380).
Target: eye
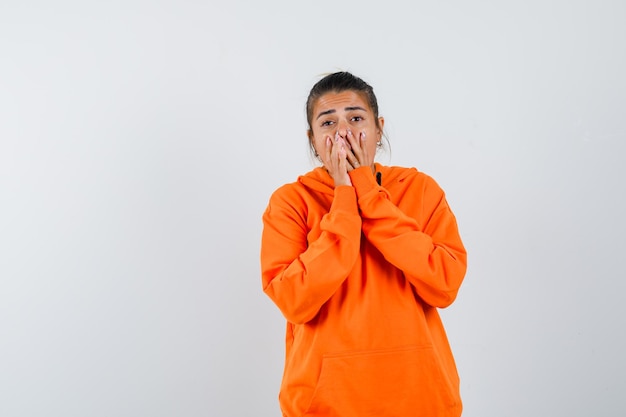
(327,123)
(356,118)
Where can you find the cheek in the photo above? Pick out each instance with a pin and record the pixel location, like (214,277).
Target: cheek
(372,140)
(372,146)
(318,144)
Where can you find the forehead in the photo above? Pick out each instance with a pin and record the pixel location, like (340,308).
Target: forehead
(334,100)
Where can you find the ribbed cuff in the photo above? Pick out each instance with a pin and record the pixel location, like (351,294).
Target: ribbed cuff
(345,199)
(363,180)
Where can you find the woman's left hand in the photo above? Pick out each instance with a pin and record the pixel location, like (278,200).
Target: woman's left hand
(359,155)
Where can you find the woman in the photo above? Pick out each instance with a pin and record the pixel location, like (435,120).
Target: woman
(358,257)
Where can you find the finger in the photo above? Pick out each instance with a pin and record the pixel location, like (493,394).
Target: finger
(339,158)
(335,147)
(352,159)
(368,160)
(354,143)
(357,147)
(338,153)
(365,153)
(349,161)
(328,150)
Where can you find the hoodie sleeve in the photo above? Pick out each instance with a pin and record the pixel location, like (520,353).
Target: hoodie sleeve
(427,248)
(299,276)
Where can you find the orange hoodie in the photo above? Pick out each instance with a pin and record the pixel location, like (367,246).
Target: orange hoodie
(359,272)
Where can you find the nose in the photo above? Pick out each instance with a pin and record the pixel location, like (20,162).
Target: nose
(342,129)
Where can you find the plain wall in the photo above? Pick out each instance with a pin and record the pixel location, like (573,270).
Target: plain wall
(140,142)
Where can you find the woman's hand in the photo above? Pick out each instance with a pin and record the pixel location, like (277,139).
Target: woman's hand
(335,160)
(359,155)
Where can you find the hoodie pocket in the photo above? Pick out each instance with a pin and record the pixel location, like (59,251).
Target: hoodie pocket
(397,382)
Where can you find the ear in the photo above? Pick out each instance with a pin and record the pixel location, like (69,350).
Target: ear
(309,134)
(381,125)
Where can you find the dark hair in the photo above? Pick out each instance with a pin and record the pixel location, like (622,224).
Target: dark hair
(336,83)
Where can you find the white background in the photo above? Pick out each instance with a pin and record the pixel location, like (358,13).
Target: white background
(141,140)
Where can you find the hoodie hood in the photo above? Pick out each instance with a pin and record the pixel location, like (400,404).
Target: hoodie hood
(318,180)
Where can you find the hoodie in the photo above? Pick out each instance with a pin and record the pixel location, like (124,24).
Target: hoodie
(359,272)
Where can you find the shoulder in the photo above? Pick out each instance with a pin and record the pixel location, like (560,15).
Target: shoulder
(411,176)
(286,194)
(313,182)
(292,196)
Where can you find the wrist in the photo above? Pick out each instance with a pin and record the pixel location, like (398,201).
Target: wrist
(345,180)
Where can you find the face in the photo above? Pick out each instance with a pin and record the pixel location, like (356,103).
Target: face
(340,112)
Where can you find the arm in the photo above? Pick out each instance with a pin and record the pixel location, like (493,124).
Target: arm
(301,277)
(427,248)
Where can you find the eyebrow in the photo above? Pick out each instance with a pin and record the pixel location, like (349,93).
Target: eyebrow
(333,111)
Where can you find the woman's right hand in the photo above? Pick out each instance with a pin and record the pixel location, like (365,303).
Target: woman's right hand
(335,160)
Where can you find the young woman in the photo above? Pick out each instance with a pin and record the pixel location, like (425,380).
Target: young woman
(358,257)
